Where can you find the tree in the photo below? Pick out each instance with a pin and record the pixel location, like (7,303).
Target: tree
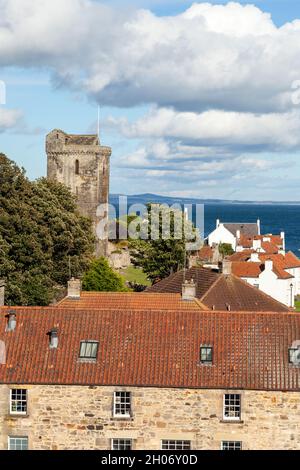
(164,249)
(41,236)
(225,249)
(102,278)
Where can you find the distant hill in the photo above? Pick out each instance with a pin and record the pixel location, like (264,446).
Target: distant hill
(155,198)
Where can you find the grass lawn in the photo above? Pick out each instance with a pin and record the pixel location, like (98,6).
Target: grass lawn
(132,274)
(297,305)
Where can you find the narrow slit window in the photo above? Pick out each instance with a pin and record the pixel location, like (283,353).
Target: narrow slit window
(77,167)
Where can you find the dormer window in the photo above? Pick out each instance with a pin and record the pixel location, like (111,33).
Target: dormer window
(88,350)
(206,354)
(294,356)
(77,167)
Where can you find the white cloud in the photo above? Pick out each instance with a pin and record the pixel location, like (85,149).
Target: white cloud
(211,56)
(9,118)
(214,128)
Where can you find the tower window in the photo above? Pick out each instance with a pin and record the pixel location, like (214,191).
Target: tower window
(77,167)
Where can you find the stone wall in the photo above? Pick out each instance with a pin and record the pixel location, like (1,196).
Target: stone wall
(80,417)
(91,184)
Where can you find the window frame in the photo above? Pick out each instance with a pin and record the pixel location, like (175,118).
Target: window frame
(11,400)
(232,443)
(232,418)
(176,442)
(86,342)
(122,415)
(113,439)
(206,361)
(17,437)
(289,352)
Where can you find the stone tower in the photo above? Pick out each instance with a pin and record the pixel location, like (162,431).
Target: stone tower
(82,164)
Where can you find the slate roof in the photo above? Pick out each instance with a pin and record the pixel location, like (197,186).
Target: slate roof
(247,229)
(152,348)
(218,291)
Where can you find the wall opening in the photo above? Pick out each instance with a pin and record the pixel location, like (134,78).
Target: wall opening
(77,167)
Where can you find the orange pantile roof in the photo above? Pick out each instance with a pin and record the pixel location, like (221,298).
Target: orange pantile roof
(152,348)
(246,268)
(205,253)
(129,301)
(240,255)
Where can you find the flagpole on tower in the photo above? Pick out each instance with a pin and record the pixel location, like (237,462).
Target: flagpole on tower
(98,125)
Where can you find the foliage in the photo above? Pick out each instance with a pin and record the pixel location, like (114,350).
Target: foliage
(161,248)
(135,276)
(225,249)
(41,235)
(102,278)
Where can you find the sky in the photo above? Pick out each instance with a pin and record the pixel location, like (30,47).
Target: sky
(197,99)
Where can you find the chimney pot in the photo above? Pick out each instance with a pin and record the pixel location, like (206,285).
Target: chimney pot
(74,288)
(189,290)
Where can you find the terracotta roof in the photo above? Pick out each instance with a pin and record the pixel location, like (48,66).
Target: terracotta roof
(129,301)
(155,349)
(291,260)
(205,253)
(246,268)
(240,255)
(281,263)
(247,229)
(218,290)
(269,247)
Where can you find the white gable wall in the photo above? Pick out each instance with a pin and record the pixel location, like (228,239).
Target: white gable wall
(221,235)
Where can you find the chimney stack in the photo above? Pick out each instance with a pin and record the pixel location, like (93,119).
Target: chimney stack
(282,236)
(256,245)
(254,258)
(2,292)
(269,265)
(238,234)
(12,321)
(226,267)
(74,288)
(53,338)
(258,226)
(189,290)
(217,223)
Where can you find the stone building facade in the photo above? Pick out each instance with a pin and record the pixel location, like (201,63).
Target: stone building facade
(82,164)
(81,417)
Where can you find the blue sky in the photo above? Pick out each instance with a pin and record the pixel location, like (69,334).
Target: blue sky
(197,105)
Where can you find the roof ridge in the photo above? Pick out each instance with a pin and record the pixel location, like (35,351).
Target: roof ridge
(211,287)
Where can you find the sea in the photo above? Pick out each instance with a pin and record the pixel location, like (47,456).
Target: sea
(274,218)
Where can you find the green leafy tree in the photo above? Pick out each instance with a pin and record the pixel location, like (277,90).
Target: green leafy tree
(102,278)
(225,249)
(161,248)
(41,236)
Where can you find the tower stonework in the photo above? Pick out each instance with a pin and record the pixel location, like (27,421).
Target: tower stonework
(82,164)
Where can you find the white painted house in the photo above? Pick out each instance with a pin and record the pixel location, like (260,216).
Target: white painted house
(276,275)
(231,233)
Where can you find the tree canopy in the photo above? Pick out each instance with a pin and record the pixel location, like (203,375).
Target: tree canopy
(42,235)
(161,248)
(101,277)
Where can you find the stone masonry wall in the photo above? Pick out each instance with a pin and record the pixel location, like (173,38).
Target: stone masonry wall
(80,417)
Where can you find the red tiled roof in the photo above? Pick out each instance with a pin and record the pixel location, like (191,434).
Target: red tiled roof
(129,301)
(246,268)
(241,255)
(218,291)
(152,348)
(205,253)
(281,263)
(291,260)
(269,247)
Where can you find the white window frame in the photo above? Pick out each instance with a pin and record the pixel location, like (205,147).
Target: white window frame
(232,418)
(17,437)
(116,398)
(121,439)
(91,342)
(11,411)
(232,442)
(176,441)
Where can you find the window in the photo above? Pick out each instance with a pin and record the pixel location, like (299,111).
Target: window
(121,444)
(175,445)
(122,404)
(206,354)
(256,285)
(17,443)
(88,349)
(231,445)
(294,356)
(232,407)
(18,401)
(77,167)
